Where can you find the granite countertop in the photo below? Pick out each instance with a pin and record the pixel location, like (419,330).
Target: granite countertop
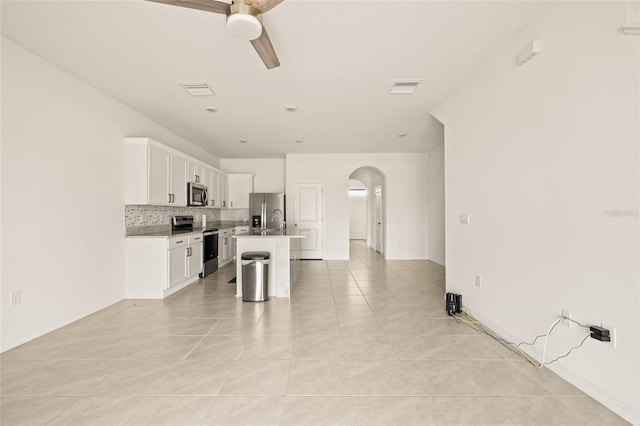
(164,231)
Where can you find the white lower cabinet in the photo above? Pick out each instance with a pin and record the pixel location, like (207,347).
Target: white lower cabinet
(157,267)
(224,246)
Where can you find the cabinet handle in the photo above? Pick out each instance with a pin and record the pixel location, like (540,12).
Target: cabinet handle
(169,198)
(178,242)
(232,204)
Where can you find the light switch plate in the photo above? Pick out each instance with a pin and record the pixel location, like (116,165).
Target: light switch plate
(465,218)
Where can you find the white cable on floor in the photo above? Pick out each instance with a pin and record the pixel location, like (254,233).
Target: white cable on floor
(546,339)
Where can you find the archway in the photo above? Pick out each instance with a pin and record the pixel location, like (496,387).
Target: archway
(374,182)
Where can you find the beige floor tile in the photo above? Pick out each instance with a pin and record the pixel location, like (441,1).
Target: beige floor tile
(319,347)
(31,410)
(218,347)
(360,327)
(52,378)
(131,378)
(170,411)
(501,378)
(385,377)
(318,377)
(359,342)
(390,410)
(318,326)
(539,411)
(244,411)
(551,381)
(466,411)
(268,347)
(195,378)
(279,326)
(257,377)
(317,411)
(592,412)
(98,411)
(367,347)
(171,327)
(440,378)
(234,326)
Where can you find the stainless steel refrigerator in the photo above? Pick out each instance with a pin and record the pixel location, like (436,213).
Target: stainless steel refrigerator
(267,210)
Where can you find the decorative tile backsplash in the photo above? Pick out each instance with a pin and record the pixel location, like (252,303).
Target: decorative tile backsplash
(161,215)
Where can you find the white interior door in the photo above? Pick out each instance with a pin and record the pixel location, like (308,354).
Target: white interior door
(307,218)
(377,219)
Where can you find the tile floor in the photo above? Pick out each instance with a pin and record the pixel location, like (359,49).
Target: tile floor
(363,342)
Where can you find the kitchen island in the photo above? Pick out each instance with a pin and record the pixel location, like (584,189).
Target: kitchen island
(285,262)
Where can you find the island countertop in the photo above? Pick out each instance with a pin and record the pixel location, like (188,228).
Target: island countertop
(269,233)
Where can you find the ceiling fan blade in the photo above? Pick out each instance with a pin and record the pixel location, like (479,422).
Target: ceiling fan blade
(264,5)
(265,50)
(208,5)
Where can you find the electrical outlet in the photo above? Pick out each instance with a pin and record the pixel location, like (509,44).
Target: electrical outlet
(566,314)
(15,297)
(612,334)
(478,281)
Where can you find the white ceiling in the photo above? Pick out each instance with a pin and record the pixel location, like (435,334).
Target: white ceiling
(339,60)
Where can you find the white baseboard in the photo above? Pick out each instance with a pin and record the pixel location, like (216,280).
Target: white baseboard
(605,398)
(36,332)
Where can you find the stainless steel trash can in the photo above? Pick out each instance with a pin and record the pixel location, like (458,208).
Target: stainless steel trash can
(255,276)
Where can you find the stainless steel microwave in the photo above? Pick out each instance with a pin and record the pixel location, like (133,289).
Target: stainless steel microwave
(196,194)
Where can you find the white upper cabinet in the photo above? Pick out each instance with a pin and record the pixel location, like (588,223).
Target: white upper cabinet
(214,197)
(178,180)
(223,190)
(240,186)
(159,167)
(155,174)
(197,173)
(158,175)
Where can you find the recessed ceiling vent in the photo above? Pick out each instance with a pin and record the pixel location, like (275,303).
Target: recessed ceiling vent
(404,87)
(197,88)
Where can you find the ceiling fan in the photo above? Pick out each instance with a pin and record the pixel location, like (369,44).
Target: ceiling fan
(244,20)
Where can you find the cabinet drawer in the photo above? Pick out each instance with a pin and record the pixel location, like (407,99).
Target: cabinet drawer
(224,232)
(176,242)
(242,229)
(195,238)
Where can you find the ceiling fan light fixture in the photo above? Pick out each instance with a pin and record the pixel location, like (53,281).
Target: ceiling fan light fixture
(244,26)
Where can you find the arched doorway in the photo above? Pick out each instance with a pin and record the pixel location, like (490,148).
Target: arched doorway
(374,183)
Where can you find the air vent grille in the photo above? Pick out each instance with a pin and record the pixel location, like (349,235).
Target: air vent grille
(197,88)
(405,87)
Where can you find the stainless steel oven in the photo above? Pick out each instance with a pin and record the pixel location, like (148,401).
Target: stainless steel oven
(209,252)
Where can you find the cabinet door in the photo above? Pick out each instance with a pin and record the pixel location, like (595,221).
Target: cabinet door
(158,191)
(240,186)
(179,180)
(195,259)
(196,173)
(214,197)
(227,249)
(177,265)
(232,245)
(220,249)
(222,190)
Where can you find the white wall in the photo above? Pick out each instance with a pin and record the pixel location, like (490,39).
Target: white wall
(406,199)
(545,159)
(62,194)
(269,173)
(435,169)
